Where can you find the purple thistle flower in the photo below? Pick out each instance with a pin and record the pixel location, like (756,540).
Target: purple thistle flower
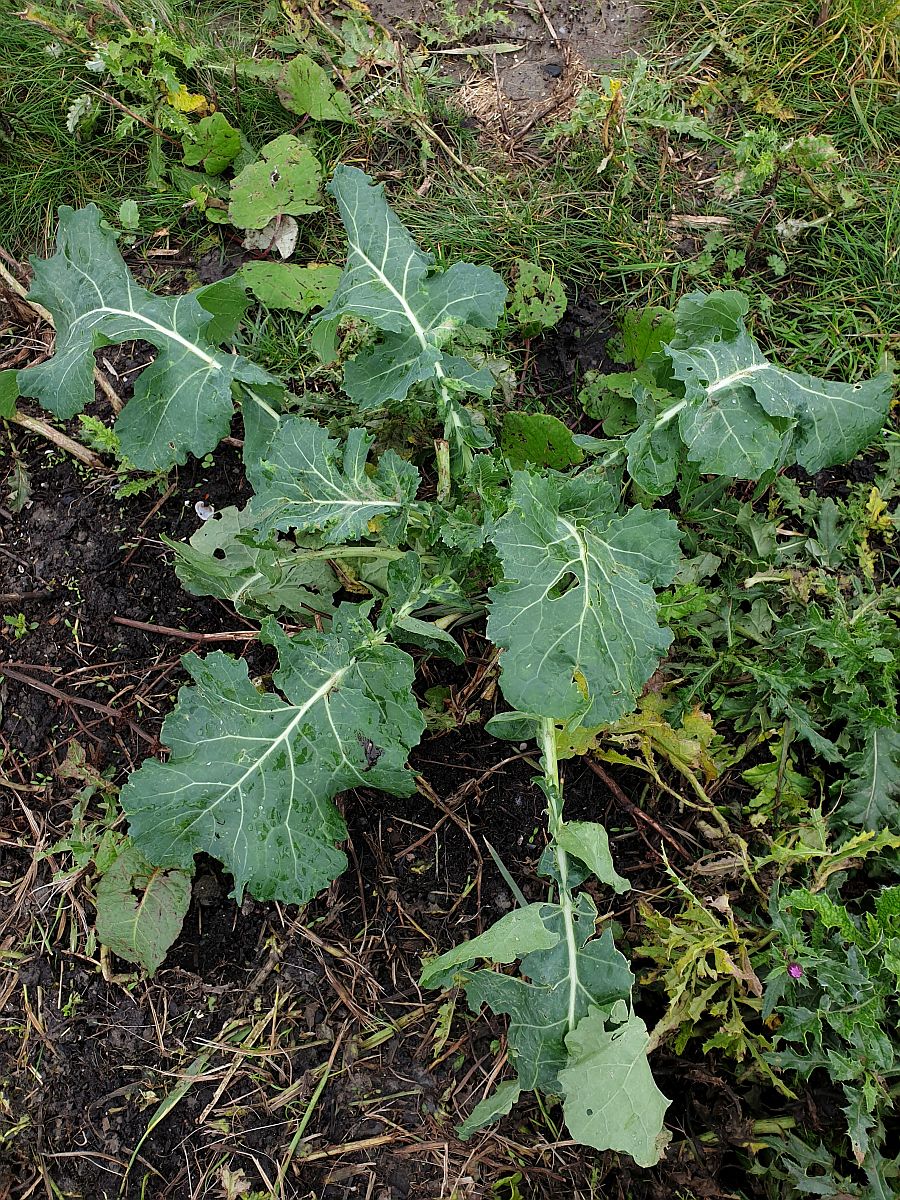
(795,970)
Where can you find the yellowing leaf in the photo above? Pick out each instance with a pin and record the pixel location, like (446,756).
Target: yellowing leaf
(189,102)
(877,515)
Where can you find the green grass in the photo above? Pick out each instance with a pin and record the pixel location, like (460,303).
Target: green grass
(827,301)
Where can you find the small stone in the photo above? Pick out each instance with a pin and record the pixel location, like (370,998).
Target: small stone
(553,70)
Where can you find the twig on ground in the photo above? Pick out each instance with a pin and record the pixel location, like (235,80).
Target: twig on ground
(62,440)
(630,807)
(553,34)
(247,635)
(48,689)
(19,597)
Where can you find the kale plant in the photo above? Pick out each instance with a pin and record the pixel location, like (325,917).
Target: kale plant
(566,573)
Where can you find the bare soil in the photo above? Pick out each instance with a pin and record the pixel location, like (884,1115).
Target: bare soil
(599,32)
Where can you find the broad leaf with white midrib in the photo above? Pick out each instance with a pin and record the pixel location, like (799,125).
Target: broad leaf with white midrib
(252,776)
(389,282)
(306,482)
(736,413)
(225,559)
(182,402)
(562,979)
(611,1101)
(576,613)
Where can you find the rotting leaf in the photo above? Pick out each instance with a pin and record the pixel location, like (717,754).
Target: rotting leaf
(285,180)
(140,907)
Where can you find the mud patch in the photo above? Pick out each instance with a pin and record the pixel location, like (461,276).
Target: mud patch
(550,34)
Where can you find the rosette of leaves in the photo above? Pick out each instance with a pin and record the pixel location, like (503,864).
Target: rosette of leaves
(394,286)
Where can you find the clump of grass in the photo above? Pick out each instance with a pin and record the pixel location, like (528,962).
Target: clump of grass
(837,42)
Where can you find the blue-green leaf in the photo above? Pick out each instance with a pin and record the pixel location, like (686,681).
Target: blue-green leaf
(392,284)
(182,402)
(251,776)
(576,613)
(306,481)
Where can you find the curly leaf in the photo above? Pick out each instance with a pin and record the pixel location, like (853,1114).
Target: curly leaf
(736,413)
(225,559)
(182,402)
(212,142)
(251,776)
(611,1101)
(390,282)
(576,613)
(304,482)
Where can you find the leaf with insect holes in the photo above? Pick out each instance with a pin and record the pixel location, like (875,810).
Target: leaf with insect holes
(538,299)
(392,284)
(539,439)
(575,613)
(141,907)
(284,285)
(610,1100)
(306,481)
(285,181)
(306,88)
(251,776)
(227,559)
(182,401)
(562,979)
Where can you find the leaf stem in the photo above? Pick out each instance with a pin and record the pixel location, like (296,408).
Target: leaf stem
(550,764)
(663,419)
